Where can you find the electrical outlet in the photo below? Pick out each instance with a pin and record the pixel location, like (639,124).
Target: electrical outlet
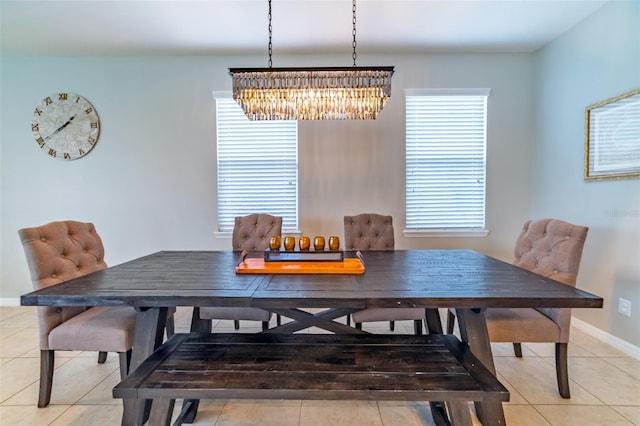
(624,306)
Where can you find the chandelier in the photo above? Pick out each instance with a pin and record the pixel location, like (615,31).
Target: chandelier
(317,93)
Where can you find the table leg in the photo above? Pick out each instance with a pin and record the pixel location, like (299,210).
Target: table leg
(473,330)
(147,337)
(434,326)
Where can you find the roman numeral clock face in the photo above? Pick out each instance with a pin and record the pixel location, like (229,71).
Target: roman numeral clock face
(65,126)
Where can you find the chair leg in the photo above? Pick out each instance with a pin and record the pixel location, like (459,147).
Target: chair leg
(265,325)
(278,320)
(417,327)
(198,324)
(451,321)
(348,319)
(359,325)
(102,357)
(392,325)
(47,360)
(562,369)
(236,324)
(125,362)
(517,349)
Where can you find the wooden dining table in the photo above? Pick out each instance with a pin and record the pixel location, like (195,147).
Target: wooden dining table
(466,280)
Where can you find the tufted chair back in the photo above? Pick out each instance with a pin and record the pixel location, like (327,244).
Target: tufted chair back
(57,252)
(552,248)
(252,232)
(368,231)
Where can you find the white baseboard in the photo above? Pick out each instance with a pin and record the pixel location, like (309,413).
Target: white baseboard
(621,345)
(6,301)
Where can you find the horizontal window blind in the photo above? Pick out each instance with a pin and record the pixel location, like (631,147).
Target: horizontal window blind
(257,166)
(445,159)
(614,137)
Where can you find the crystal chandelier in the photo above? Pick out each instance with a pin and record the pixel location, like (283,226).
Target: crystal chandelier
(319,93)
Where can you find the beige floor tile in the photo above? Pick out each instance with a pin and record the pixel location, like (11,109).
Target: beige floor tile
(610,384)
(506,349)
(535,380)
(627,364)
(630,413)
(599,375)
(102,394)
(347,413)
(593,345)
(406,415)
(17,315)
(523,415)
(71,381)
(549,350)
(514,396)
(31,415)
(208,412)
(262,415)
(19,343)
(582,415)
(16,375)
(90,415)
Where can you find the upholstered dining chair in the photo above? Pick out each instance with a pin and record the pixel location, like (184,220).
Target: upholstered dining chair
(250,233)
(57,252)
(552,248)
(370,231)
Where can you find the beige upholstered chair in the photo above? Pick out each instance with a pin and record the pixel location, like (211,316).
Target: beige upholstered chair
(250,233)
(57,252)
(369,231)
(552,248)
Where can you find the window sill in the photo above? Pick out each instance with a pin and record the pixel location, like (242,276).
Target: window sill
(445,233)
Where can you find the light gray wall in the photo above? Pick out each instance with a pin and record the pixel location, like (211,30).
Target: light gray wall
(596,60)
(150,182)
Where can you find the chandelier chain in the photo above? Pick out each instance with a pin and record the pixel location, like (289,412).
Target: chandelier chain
(353,32)
(311,93)
(270,35)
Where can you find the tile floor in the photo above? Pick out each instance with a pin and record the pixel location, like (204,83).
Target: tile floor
(605,387)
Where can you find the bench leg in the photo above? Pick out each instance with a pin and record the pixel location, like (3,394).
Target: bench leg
(459,413)
(161,411)
(189,411)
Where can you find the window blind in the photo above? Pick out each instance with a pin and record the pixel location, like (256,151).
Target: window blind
(257,166)
(445,159)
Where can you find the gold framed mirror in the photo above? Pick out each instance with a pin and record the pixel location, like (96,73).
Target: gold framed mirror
(612,149)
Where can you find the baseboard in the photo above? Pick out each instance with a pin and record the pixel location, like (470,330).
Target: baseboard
(9,301)
(621,345)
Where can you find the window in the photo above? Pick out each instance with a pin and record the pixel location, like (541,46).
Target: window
(257,166)
(445,160)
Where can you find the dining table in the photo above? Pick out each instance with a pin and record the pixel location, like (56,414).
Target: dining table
(466,280)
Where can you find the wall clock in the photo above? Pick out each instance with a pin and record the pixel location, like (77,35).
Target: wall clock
(65,126)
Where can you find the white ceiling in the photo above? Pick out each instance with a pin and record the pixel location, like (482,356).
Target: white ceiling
(116,27)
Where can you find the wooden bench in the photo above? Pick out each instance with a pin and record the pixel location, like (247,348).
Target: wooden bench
(312,366)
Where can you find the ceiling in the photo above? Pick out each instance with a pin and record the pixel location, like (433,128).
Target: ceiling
(152,27)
